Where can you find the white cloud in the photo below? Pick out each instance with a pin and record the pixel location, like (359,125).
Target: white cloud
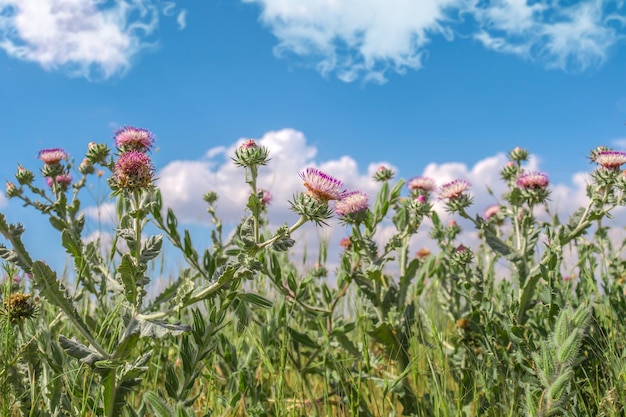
(365,39)
(86,38)
(3,200)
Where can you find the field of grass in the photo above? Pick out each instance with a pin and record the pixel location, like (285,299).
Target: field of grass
(500,329)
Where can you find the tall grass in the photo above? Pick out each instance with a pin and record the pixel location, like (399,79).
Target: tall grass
(505,328)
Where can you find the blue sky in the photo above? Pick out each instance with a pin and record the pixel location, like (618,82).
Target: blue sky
(429,87)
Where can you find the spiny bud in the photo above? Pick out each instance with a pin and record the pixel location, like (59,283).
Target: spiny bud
(12,190)
(383,174)
(518,155)
(24,176)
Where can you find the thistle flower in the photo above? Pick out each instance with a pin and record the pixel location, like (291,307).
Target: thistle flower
(131,138)
(453,189)
(352,208)
(266,197)
(24,176)
(249,154)
(63,181)
(345,243)
(609,159)
(321,186)
(518,154)
(11,190)
(491,211)
(383,174)
(133,171)
(421,185)
(52,156)
(422,253)
(532,180)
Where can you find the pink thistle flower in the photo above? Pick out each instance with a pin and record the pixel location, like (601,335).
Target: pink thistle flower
(133,138)
(421,199)
(345,243)
(266,198)
(533,180)
(491,211)
(250,143)
(612,160)
(133,171)
(63,180)
(453,189)
(321,186)
(52,156)
(352,203)
(425,184)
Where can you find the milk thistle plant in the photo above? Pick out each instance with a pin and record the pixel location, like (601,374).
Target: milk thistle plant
(528,321)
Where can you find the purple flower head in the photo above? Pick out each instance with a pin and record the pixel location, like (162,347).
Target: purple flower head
(425,184)
(250,143)
(421,199)
(453,189)
(353,202)
(610,159)
(52,156)
(131,138)
(63,180)
(133,171)
(321,186)
(533,180)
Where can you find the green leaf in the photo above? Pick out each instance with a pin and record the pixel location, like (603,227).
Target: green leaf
(255,299)
(127,272)
(79,351)
(50,288)
(158,405)
(302,338)
(151,248)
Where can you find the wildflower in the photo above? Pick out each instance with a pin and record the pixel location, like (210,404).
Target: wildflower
(491,211)
(12,190)
(509,171)
(518,154)
(250,154)
(63,181)
(131,138)
(462,256)
(532,180)
(383,174)
(86,167)
(133,171)
(352,208)
(52,156)
(266,197)
(345,243)
(422,253)
(352,202)
(421,199)
(611,160)
(24,176)
(534,186)
(19,306)
(453,189)
(322,186)
(421,185)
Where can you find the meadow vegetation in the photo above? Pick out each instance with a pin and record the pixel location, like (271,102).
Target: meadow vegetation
(530,322)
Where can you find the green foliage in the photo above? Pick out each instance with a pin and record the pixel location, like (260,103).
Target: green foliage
(527,322)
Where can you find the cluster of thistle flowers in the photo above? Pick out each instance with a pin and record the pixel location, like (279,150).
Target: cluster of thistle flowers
(350,206)
(321,189)
(133,171)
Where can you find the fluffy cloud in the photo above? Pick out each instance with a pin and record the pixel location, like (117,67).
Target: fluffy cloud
(3,201)
(85,38)
(367,38)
